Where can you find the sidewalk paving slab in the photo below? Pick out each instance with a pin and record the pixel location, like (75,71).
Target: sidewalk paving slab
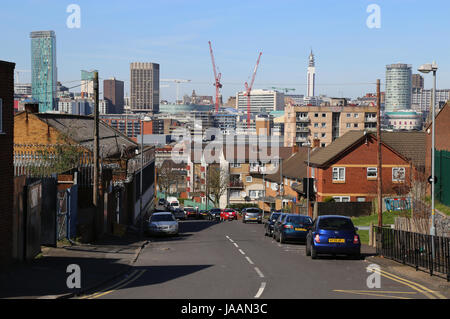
(46,276)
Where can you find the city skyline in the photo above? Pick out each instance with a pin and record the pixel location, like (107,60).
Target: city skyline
(344,67)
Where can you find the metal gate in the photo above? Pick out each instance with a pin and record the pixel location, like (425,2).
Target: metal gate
(67,209)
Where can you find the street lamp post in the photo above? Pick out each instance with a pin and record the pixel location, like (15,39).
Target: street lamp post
(427,68)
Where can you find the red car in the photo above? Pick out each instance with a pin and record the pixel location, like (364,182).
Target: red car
(228,214)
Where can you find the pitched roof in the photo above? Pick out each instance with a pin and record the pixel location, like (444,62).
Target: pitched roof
(326,154)
(113,143)
(294,167)
(410,145)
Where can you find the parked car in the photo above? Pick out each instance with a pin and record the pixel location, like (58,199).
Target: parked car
(179,214)
(268,226)
(335,235)
(162,224)
(214,214)
(204,214)
(162,202)
(173,202)
(191,212)
(277,224)
(293,227)
(252,215)
(228,214)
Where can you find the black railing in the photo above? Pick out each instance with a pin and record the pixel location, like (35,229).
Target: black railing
(421,251)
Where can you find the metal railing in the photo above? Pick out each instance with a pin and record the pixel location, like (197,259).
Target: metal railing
(421,251)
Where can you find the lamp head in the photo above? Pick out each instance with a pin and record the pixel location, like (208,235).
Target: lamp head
(427,68)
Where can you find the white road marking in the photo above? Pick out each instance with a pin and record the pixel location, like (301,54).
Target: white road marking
(241,251)
(236,245)
(250,261)
(259,272)
(261,290)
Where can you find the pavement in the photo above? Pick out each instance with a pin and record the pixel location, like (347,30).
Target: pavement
(232,260)
(45,277)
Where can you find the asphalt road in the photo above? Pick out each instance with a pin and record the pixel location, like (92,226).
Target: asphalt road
(232,260)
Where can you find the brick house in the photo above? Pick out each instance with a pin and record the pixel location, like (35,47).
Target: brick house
(294,169)
(346,170)
(6,160)
(442,161)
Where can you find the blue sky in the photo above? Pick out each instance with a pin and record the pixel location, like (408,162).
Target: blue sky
(175,34)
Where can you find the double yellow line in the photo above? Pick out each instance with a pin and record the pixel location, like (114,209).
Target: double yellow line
(123,283)
(431,294)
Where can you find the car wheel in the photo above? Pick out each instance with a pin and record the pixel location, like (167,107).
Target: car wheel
(281,238)
(307,249)
(313,252)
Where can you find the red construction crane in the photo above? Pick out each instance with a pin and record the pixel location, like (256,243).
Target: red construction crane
(248,89)
(217,77)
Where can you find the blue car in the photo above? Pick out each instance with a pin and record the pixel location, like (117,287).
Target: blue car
(292,227)
(333,235)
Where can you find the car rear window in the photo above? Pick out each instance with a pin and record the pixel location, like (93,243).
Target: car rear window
(275,216)
(299,220)
(253,211)
(162,218)
(336,223)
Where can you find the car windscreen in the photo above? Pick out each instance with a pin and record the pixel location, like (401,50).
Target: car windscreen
(275,216)
(299,220)
(162,218)
(335,223)
(174,204)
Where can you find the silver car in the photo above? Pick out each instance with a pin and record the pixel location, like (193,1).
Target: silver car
(252,215)
(162,224)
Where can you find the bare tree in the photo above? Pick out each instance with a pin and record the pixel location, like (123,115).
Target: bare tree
(217,181)
(166,176)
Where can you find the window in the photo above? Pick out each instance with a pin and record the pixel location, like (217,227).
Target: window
(371,172)
(323,145)
(255,194)
(235,194)
(324,124)
(324,135)
(324,115)
(316,135)
(349,125)
(316,114)
(341,198)
(355,125)
(235,165)
(249,179)
(398,174)
(316,124)
(338,174)
(349,115)
(356,115)
(360,199)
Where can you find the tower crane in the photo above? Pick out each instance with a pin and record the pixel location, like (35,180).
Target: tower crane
(177,82)
(248,89)
(217,77)
(285,90)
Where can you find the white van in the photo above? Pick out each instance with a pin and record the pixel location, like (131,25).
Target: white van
(173,203)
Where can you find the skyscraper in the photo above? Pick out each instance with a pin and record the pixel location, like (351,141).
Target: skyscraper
(43,69)
(113,92)
(311,76)
(398,87)
(144,87)
(87,83)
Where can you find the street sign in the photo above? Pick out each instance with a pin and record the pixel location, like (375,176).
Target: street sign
(431,180)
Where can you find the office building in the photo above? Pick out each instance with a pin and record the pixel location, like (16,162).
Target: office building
(113,93)
(87,84)
(417,81)
(44,69)
(398,87)
(421,99)
(144,87)
(261,101)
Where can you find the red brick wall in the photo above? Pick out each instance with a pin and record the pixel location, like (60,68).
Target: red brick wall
(6,161)
(356,182)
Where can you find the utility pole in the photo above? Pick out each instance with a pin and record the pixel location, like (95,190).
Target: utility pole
(379,159)
(95,195)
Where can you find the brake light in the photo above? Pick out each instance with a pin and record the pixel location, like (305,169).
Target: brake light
(317,238)
(356,239)
(288,226)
